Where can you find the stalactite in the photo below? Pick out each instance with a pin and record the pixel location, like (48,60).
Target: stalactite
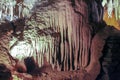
(61,32)
(56,20)
(69,26)
(110,8)
(76,39)
(36,51)
(104,2)
(33,45)
(50,44)
(1,10)
(66,64)
(80,42)
(50,18)
(116,5)
(20,9)
(86,43)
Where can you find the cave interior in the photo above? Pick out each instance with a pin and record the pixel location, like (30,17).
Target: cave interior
(59,40)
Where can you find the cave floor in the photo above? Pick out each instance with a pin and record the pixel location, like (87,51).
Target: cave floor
(47,73)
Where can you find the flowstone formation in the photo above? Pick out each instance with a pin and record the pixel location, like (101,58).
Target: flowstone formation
(70,49)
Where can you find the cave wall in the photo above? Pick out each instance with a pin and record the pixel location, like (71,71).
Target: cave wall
(5,32)
(110,59)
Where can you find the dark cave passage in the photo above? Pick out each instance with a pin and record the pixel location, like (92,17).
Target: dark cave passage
(110,61)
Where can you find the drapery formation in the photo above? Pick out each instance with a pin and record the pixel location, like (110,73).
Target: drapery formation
(75,33)
(61,33)
(72,50)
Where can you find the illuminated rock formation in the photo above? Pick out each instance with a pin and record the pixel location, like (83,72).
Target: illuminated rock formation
(112,5)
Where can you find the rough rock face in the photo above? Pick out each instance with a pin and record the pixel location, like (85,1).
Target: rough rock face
(110,60)
(4,43)
(69,35)
(97,47)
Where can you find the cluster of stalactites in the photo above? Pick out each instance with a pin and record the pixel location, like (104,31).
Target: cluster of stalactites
(13,9)
(43,49)
(112,5)
(36,46)
(75,35)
